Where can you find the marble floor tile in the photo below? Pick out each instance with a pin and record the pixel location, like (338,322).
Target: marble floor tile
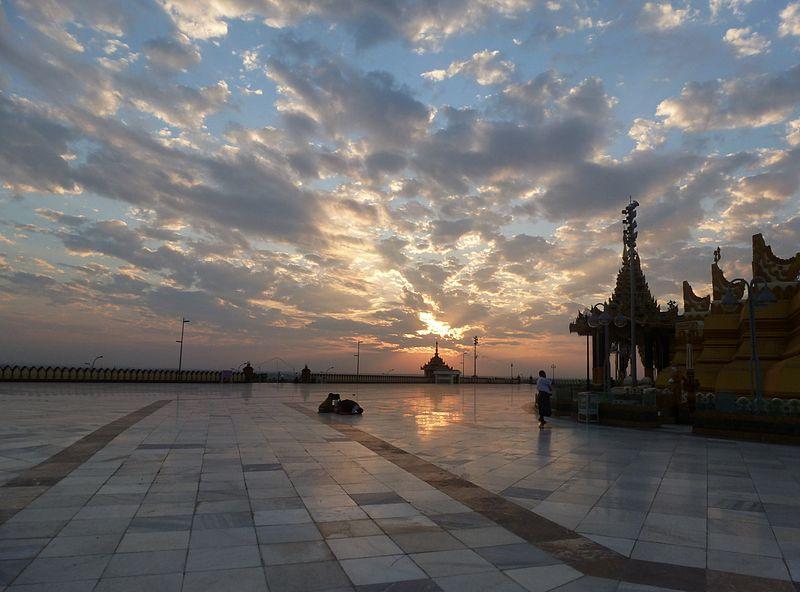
(228,580)
(753,565)
(233,482)
(145,563)
(427,541)
(450,563)
(378,570)
(547,577)
(311,577)
(218,558)
(665,553)
(516,556)
(299,552)
(152,583)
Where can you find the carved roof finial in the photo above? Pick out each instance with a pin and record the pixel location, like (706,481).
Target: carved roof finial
(717,255)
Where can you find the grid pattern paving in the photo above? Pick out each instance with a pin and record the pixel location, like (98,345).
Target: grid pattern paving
(232,488)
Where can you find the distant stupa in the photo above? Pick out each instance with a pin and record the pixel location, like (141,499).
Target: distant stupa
(435,363)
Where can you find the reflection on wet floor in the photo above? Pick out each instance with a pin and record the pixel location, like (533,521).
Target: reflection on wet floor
(649,495)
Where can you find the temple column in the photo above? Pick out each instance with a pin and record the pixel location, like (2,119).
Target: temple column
(648,355)
(598,364)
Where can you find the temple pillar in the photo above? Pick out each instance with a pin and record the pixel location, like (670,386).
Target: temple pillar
(598,357)
(648,355)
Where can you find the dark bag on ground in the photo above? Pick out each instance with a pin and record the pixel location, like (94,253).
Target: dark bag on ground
(329,404)
(348,407)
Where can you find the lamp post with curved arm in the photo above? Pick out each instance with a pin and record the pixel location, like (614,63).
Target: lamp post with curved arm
(756,298)
(91,366)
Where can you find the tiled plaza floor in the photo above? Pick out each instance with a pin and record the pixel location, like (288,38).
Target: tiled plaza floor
(245,488)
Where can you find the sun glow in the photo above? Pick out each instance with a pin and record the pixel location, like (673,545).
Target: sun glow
(440,328)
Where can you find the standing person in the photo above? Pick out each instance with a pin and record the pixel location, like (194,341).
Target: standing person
(544,386)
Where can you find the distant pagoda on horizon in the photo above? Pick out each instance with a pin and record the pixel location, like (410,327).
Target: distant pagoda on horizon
(437,371)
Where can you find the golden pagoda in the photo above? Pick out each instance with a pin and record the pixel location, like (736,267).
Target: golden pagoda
(712,344)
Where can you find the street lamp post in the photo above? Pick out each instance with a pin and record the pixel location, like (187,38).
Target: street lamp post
(91,366)
(629,235)
(475,357)
(358,359)
(184,320)
(512,371)
(463,357)
(553,372)
(756,298)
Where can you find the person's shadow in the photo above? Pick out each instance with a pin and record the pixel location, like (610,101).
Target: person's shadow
(543,442)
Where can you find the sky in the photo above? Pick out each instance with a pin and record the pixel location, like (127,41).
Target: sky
(294,177)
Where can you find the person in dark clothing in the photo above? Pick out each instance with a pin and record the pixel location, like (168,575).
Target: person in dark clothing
(335,404)
(544,387)
(348,407)
(248,373)
(329,404)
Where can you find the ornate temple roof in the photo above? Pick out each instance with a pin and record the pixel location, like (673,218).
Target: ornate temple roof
(435,363)
(645,303)
(719,284)
(648,311)
(771,268)
(692,303)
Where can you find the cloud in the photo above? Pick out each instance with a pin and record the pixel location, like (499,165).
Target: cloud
(468,150)
(487,67)
(529,99)
(590,188)
(31,157)
(53,18)
(422,24)
(175,53)
(752,101)
(343,100)
(746,43)
(793,132)
(351,202)
(647,134)
(181,106)
(61,217)
(68,82)
(790,20)
(663,16)
(736,7)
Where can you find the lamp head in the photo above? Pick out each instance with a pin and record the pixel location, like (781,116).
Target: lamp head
(729,300)
(765,297)
(620,320)
(604,318)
